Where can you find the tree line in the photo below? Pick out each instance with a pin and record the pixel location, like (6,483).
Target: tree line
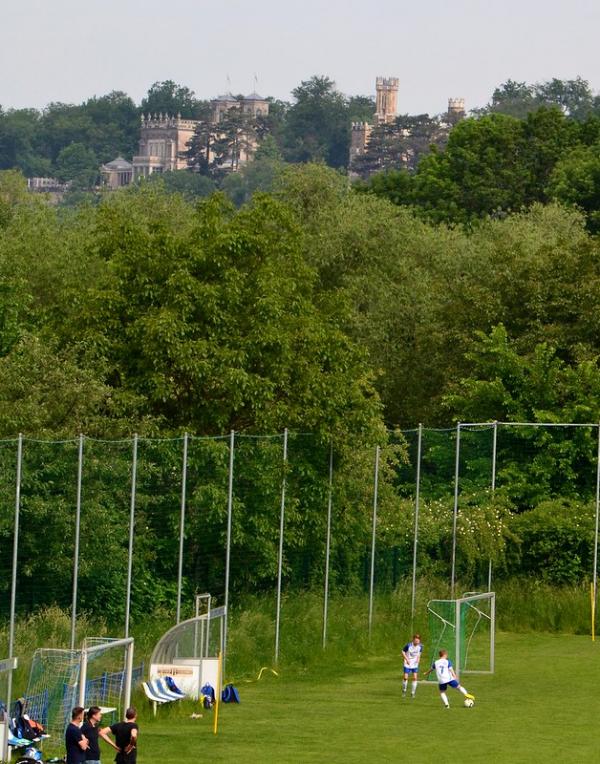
(316,307)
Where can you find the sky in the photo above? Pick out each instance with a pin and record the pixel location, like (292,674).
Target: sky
(70,50)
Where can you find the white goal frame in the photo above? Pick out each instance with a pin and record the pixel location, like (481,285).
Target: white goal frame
(91,646)
(470,598)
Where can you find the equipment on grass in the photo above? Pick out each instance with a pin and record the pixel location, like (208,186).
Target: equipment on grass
(187,652)
(465,627)
(469,703)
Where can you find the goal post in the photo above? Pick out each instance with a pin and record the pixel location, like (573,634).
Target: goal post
(100,673)
(109,691)
(466,627)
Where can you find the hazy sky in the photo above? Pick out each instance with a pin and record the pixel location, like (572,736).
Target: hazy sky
(69,50)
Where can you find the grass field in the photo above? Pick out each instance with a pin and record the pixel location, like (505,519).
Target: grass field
(540,706)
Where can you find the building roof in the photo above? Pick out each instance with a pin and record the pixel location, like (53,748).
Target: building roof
(226,97)
(118,164)
(254,97)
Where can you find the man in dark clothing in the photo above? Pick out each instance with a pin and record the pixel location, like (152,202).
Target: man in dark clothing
(126,736)
(90,729)
(75,741)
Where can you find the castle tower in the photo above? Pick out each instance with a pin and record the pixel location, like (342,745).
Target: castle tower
(386,106)
(456,110)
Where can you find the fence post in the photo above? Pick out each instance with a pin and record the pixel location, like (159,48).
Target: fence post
(280,553)
(182,525)
(595,573)
(131,529)
(373,534)
(77,537)
(416,532)
(13,583)
(455,512)
(228,545)
(494,455)
(328,545)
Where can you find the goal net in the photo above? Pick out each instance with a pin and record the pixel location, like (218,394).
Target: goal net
(465,627)
(99,674)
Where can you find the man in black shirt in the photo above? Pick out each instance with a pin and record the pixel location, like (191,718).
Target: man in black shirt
(75,741)
(126,736)
(90,729)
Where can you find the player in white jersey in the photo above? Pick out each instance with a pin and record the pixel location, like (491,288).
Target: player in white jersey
(446,677)
(411,652)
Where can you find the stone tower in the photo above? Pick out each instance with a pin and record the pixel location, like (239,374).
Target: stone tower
(386,105)
(456,110)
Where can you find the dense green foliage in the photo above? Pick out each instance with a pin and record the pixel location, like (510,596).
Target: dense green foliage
(316,308)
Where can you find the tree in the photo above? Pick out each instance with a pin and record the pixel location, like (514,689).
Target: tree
(575,180)
(201,149)
(317,125)
(19,149)
(400,145)
(212,317)
(78,164)
(573,97)
(236,137)
(191,185)
(170,98)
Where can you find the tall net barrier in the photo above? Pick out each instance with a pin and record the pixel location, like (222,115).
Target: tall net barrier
(465,627)
(282,528)
(8,470)
(205,538)
(48,499)
(105,517)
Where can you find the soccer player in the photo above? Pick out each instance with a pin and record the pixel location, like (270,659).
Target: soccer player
(126,737)
(446,677)
(411,653)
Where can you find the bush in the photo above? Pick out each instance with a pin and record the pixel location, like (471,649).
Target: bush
(554,542)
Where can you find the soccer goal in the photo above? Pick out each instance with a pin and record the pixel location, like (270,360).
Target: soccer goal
(466,628)
(98,674)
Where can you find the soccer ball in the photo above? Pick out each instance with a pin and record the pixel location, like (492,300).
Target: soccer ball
(469,703)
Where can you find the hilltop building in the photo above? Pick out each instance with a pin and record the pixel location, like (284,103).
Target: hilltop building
(386,114)
(164,140)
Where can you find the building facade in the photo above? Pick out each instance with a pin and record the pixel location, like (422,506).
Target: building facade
(386,113)
(164,140)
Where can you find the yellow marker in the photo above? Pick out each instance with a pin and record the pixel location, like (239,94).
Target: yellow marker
(218,698)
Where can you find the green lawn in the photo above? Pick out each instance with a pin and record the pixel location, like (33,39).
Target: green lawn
(541,706)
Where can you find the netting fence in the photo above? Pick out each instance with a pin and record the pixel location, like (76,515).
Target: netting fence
(129,527)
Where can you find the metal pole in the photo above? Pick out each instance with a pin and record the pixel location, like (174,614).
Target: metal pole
(82,676)
(595,574)
(280,554)
(13,584)
(416,533)
(494,454)
(373,533)
(228,544)
(328,545)
(131,529)
(455,513)
(77,537)
(128,673)
(182,525)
